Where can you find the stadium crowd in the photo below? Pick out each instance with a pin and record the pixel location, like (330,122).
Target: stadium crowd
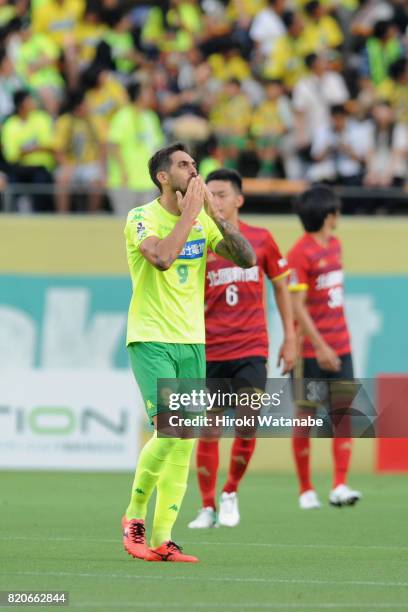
(295,89)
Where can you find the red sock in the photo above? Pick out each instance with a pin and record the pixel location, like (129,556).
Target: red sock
(207,469)
(341,456)
(301,452)
(241,453)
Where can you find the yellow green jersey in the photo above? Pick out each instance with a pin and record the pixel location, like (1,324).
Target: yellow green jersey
(168,306)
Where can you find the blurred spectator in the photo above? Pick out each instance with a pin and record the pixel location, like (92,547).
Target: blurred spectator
(321,30)
(369,13)
(267,27)
(230,118)
(12,10)
(312,97)
(9,84)
(27,141)
(58,19)
(211,157)
(387,159)
(134,135)
(88,34)
(105,94)
(381,50)
(173,30)
(120,40)
(80,154)
(270,122)
(229,65)
(37,63)
(286,62)
(395,89)
(339,150)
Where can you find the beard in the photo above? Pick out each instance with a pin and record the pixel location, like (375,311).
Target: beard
(177,185)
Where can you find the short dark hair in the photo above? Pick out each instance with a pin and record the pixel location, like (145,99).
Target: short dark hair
(288,19)
(75,100)
(311,7)
(19,96)
(338,109)
(397,68)
(161,160)
(3,54)
(234,81)
(310,60)
(228,175)
(134,90)
(314,205)
(380,28)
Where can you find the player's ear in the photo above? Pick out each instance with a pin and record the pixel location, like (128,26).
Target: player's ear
(163,177)
(240,200)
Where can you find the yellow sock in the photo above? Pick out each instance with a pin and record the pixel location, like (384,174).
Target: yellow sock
(170,491)
(150,465)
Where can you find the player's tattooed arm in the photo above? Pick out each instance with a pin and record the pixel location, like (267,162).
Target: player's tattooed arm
(234,246)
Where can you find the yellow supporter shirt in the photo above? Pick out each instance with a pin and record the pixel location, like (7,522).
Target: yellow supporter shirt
(103,102)
(37,47)
(225,69)
(323,34)
(58,19)
(18,135)
(137,134)
(287,60)
(266,119)
(78,139)
(397,95)
(233,115)
(244,8)
(87,37)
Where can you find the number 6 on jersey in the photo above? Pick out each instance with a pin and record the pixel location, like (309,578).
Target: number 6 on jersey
(231,295)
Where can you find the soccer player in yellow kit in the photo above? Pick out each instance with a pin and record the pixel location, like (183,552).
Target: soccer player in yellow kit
(167,242)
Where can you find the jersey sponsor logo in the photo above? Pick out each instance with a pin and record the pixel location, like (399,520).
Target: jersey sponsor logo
(225,276)
(193,249)
(331,279)
(61,26)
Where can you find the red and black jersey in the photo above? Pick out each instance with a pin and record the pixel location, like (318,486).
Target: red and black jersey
(318,270)
(234,297)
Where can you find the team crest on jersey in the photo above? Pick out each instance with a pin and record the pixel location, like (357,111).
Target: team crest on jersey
(197,226)
(282,262)
(141,230)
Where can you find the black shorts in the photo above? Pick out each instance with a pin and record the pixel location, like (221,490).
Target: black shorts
(236,375)
(312,386)
(246,372)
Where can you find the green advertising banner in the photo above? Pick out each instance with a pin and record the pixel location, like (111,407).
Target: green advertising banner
(80,322)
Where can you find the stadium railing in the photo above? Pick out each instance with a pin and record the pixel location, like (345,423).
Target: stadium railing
(262,195)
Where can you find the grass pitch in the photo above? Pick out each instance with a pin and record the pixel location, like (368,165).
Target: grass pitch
(61,531)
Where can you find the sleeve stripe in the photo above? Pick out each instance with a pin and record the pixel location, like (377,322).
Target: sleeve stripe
(299,287)
(275,278)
